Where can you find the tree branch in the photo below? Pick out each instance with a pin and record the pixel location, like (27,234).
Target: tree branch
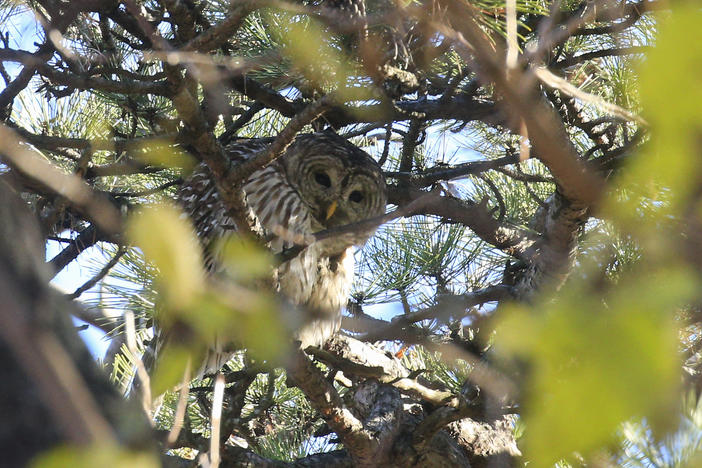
(511,239)
(69,186)
(611,52)
(431,176)
(87,238)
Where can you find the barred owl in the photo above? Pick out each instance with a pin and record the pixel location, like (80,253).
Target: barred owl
(321,181)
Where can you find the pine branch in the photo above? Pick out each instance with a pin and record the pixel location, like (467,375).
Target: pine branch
(100,274)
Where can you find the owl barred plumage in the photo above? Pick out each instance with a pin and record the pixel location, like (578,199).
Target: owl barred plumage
(321,181)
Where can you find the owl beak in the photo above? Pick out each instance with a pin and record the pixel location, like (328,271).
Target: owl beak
(331,209)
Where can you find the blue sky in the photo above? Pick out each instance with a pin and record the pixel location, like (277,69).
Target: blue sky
(71,278)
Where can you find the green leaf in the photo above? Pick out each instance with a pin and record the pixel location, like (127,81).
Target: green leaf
(671,92)
(168,240)
(310,49)
(244,260)
(596,362)
(171,366)
(248,317)
(162,152)
(95,455)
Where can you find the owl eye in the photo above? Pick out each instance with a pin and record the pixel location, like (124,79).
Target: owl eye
(356,196)
(322,179)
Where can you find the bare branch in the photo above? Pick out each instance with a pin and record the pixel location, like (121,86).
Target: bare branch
(565,87)
(100,275)
(431,176)
(611,52)
(18,155)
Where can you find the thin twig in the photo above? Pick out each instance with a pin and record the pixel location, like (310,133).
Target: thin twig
(498,196)
(284,138)
(181,407)
(611,52)
(386,147)
(142,374)
(567,88)
(367,225)
(100,275)
(436,174)
(371,224)
(522,176)
(147,192)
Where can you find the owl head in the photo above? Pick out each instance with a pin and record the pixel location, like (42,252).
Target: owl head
(339,182)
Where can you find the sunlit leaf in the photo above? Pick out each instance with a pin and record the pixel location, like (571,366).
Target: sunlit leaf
(309,47)
(248,317)
(596,361)
(96,455)
(171,365)
(169,241)
(161,152)
(245,260)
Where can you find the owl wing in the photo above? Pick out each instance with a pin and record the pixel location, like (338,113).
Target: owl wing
(274,208)
(199,198)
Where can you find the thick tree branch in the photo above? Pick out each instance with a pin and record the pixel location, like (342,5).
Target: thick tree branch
(87,238)
(326,400)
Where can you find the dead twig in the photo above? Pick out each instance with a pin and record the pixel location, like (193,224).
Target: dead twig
(18,155)
(179,417)
(142,374)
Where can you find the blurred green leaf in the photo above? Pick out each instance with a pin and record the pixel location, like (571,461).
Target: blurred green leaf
(162,152)
(596,361)
(244,260)
(671,90)
(310,49)
(171,365)
(248,317)
(96,455)
(168,240)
